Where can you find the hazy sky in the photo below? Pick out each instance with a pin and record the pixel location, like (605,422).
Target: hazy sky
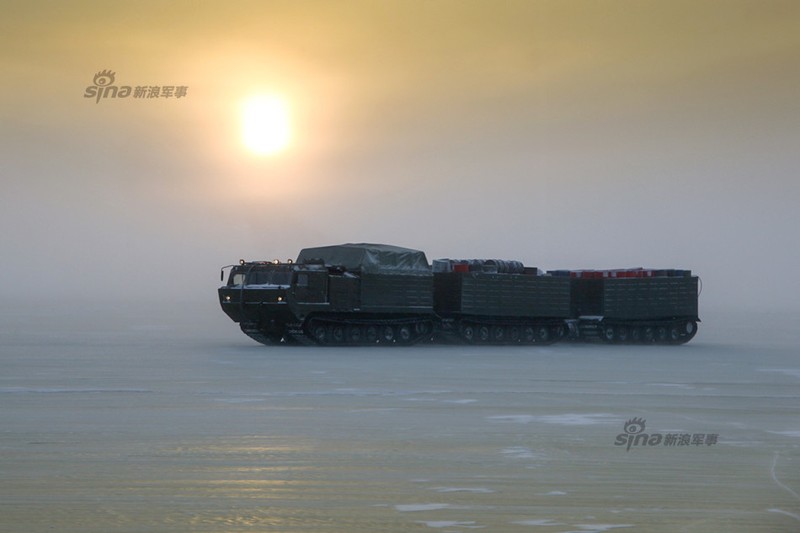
(566,134)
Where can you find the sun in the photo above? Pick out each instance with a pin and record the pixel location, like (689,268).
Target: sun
(266,125)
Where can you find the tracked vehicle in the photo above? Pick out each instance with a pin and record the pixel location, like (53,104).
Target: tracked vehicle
(368,294)
(349,294)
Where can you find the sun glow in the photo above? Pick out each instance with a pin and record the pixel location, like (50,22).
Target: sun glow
(266,126)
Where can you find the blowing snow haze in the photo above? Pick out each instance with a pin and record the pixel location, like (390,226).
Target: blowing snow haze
(562,134)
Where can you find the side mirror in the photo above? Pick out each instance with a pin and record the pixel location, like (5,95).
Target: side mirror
(222,272)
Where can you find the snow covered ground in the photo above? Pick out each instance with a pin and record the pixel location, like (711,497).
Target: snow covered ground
(116,419)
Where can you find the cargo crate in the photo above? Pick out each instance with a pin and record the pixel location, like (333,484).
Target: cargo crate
(635,298)
(509,295)
(396,293)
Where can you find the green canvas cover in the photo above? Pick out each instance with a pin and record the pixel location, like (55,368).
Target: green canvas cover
(370,258)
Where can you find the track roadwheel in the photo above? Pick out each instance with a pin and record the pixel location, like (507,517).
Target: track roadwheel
(404,334)
(542,334)
(648,334)
(320,334)
(662,334)
(498,333)
(468,333)
(635,334)
(622,333)
(387,334)
(483,333)
(607,333)
(528,335)
(354,334)
(674,334)
(371,334)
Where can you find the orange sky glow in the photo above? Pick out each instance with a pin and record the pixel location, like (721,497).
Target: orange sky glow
(562,133)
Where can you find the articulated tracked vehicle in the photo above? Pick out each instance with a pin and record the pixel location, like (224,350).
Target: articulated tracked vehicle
(372,294)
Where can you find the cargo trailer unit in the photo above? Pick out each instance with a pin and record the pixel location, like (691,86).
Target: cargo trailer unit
(499,302)
(641,306)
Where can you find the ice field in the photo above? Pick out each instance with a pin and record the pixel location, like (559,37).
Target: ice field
(115,419)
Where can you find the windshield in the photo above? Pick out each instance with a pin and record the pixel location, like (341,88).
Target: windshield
(260,276)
